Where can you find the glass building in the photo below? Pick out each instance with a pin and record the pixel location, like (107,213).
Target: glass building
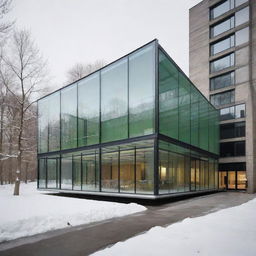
(137,127)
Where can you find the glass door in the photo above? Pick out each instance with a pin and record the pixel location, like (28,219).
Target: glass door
(231,180)
(241,180)
(223,180)
(193,175)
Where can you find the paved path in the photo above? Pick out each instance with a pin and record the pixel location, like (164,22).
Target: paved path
(87,239)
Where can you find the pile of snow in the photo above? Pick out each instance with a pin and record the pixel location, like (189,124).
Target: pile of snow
(230,231)
(34,212)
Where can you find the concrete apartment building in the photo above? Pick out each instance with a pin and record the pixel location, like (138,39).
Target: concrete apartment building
(222,52)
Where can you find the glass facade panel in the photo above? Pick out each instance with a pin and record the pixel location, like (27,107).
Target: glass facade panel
(194,117)
(142,91)
(69,117)
(88,110)
(242,16)
(193,175)
(127,171)
(223,98)
(54,121)
(165,172)
(222,63)
(77,172)
(184,109)
(66,172)
(222,81)
(222,27)
(114,101)
(43,125)
(90,170)
(52,172)
(203,124)
(145,171)
(242,36)
(109,171)
(211,174)
(42,173)
(223,45)
(168,97)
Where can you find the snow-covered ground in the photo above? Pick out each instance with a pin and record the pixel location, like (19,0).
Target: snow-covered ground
(229,232)
(35,212)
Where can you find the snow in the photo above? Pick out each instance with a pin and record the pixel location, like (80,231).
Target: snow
(227,232)
(35,212)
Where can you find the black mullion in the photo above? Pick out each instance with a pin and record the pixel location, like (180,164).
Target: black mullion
(81,174)
(100,169)
(119,169)
(135,170)
(46,173)
(72,171)
(156,164)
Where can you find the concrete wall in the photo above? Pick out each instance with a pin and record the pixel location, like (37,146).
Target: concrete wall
(245,73)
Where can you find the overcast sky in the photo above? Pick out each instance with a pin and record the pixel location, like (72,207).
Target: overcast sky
(71,31)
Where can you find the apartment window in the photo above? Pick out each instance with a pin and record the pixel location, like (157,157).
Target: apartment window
(240,111)
(223,45)
(229,149)
(222,63)
(224,7)
(223,98)
(222,81)
(221,8)
(223,26)
(233,112)
(233,130)
(242,16)
(239,2)
(242,36)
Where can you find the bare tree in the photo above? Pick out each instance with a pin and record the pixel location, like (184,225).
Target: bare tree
(27,68)
(5,26)
(80,70)
(4,29)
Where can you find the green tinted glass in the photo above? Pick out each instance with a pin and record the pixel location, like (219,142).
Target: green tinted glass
(114,101)
(88,110)
(168,97)
(142,91)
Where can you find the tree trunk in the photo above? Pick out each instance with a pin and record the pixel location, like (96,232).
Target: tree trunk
(1,142)
(17,180)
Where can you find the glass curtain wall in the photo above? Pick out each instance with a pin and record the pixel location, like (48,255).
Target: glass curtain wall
(128,168)
(114,103)
(182,170)
(184,113)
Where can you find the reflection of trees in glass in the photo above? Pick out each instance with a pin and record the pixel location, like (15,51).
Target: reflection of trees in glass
(68,130)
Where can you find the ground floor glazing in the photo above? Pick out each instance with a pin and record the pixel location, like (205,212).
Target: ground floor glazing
(148,167)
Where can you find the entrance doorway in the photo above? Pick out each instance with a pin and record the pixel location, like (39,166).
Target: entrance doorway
(233,180)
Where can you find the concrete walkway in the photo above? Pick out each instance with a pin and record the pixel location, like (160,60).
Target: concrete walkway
(86,239)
